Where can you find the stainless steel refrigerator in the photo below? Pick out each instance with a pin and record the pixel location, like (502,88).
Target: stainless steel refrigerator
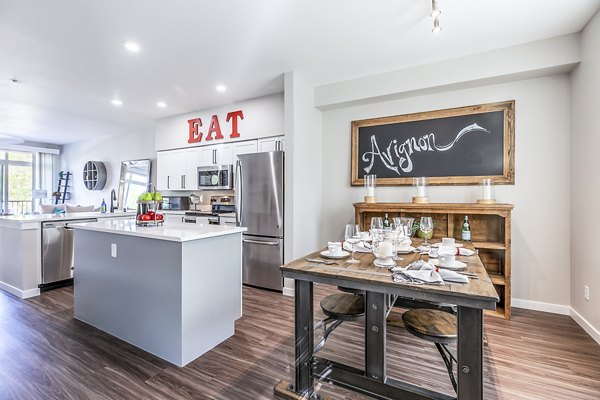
(259,203)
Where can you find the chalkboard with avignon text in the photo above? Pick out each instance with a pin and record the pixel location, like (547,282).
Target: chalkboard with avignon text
(457,146)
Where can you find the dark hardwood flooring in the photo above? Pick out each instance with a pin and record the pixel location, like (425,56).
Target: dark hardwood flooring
(46,354)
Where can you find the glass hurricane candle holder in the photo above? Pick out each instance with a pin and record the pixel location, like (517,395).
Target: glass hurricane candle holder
(370,183)
(420,185)
(486,186)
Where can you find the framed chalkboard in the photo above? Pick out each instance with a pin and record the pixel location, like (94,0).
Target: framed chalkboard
(456,146)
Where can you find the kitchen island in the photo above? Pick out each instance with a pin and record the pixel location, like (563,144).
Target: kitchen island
(173,290)
(21,248)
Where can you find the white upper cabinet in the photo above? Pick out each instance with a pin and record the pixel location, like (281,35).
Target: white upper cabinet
(224,154)
(271,144)
(206,156)
(178,169)
(218,154)
(245,147)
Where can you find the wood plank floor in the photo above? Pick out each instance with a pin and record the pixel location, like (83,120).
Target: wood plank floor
(46,354)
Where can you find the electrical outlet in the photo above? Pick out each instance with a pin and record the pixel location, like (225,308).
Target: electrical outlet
(586,292)
(113,250)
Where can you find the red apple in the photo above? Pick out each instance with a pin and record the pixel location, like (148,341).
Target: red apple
(145,217)
(160,217)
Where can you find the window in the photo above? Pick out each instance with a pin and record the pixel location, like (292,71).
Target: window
(20,173)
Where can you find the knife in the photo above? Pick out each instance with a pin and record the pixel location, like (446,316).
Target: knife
(317,260)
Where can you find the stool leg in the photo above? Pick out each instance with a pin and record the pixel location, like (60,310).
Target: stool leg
(444,352)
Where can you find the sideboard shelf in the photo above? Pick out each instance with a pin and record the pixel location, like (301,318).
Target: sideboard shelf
(490,230)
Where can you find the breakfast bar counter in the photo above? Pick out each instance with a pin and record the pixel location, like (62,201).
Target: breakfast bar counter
(173,290)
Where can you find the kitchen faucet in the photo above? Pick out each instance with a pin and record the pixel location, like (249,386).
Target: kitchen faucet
(113,197)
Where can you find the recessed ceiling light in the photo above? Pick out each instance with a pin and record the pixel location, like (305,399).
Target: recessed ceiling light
(161,104)
(132,46)
(221,88)
(116,102)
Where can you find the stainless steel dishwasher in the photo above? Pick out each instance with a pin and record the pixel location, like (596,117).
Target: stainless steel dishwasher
(57,253)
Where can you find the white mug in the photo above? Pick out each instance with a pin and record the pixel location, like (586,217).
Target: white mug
(446,260)
(335,249)
(364,235)
(448,241)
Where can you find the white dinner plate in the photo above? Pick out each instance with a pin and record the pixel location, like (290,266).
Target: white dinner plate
(406,250)
(386,262)
(343,254)
(453,245)
(457,264)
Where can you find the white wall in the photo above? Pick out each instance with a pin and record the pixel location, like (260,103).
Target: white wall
(585,186)
(541,222)
(303,170)
(263,117)
(111,151)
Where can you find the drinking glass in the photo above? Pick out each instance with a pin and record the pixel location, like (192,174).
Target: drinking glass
(426,226)
(352,236)
(407,226)
(377,224)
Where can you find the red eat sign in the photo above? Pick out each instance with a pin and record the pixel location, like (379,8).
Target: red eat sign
(195,135)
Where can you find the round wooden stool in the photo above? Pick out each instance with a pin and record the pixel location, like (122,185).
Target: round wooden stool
(438,327)
(344,306)
(350,290)
(339,307)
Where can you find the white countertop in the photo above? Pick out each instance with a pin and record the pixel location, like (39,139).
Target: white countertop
(175,232)
(33,221)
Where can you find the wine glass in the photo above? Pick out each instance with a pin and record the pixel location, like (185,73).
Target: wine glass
(352,236)
(426,226)
(376,226)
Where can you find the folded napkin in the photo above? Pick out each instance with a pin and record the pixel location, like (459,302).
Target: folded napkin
(422,272)
(360,247)
(459,251)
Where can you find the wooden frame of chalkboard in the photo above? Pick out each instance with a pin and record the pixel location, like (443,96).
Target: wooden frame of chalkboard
(456,146)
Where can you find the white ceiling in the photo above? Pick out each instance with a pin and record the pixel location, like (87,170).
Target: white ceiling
(69,57)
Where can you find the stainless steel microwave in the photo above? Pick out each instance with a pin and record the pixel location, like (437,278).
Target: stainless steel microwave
(215,177)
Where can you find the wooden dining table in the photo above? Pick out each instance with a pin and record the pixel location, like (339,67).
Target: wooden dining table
(379,287)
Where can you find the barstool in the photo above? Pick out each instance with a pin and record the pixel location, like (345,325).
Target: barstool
(339,307)
(435,326)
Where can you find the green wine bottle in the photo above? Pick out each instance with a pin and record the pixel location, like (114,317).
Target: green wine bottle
(466,229)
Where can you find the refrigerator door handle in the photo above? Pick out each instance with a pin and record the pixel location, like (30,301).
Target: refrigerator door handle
(238,192)
(260,242)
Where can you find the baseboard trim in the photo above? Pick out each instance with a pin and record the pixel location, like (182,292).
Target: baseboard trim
(22,294)
(540,306)
(288,291)
(593,332)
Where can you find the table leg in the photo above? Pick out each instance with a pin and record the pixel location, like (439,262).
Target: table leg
(470,353)
(375,336)
(304,337)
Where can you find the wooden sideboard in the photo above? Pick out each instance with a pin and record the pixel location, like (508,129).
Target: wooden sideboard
(490,233)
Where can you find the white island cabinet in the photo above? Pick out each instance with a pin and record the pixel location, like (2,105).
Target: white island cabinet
(174,291)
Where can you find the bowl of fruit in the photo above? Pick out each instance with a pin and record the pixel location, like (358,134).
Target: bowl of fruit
(147,206)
